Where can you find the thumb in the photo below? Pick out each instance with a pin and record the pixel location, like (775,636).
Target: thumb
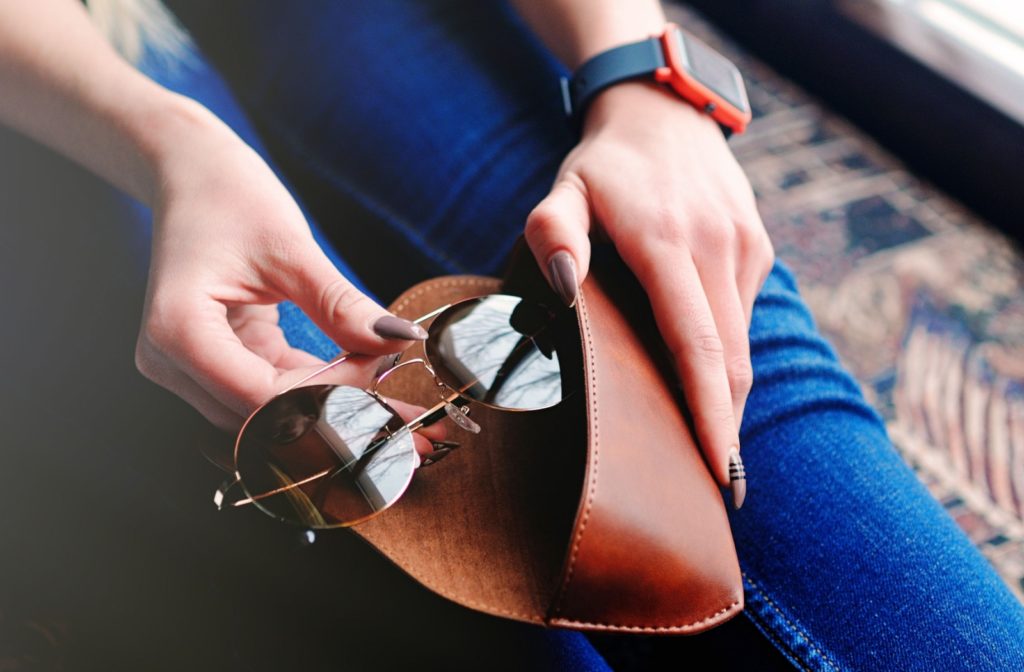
(353,320)
(557,232)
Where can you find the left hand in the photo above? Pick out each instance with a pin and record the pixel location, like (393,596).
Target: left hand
(657,178)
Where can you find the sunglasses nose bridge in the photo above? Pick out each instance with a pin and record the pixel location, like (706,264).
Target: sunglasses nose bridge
(384,375)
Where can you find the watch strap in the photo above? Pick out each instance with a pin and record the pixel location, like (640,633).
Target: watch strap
(630,61)
(637,60)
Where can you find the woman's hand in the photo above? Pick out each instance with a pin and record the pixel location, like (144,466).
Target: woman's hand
(229,243)
(656,177)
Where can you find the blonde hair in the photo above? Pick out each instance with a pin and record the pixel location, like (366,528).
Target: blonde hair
(142,27)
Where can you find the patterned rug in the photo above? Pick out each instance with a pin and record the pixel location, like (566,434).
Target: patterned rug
(923,302)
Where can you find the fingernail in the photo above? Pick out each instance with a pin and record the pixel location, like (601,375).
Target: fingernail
(562,269)
(436,456)
(387,363)
(391,326)
(438,445)
(737,478)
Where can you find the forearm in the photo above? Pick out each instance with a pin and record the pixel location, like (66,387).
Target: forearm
(64,86)
(575,30)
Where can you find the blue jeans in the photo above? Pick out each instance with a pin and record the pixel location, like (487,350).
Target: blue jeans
(437,125)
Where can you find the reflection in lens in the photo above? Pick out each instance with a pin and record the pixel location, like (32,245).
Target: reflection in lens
(498,349)
(325,456)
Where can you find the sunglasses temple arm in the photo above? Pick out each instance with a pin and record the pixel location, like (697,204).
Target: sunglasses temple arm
(344,355)
(221,495)
(432,314)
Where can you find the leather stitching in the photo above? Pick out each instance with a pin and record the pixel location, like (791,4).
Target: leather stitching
(655,628)
(459,281)
(447,281)
(592,388)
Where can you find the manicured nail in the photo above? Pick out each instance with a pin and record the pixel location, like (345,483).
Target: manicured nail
(387,362)
(391,326)
(562,270)
(440,452)
(737,478)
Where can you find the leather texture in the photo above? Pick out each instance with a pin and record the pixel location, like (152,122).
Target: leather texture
(596,514)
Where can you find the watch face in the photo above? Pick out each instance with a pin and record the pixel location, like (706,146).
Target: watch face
(713,71)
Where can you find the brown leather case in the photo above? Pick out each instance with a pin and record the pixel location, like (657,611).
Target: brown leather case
(596,514)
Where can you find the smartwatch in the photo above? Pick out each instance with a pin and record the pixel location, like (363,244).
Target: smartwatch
(697,73)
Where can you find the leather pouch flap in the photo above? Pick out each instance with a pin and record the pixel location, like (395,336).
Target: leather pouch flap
(596,514)
(652,548)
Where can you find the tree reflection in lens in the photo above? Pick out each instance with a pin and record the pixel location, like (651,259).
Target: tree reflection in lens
(497,349)
(333,456)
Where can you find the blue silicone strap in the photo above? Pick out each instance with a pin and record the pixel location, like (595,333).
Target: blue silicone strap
(630,61)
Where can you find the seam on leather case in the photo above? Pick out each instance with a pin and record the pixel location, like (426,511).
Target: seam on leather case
(442,282)
(592,387)
(686,627)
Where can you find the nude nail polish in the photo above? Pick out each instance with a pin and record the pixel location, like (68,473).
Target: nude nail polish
(737,478)
(394,327)
(564,280)
(387,363)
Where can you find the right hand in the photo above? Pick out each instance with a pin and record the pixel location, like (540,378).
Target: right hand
(229,243)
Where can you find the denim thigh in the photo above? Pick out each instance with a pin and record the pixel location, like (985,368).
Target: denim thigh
(441,119)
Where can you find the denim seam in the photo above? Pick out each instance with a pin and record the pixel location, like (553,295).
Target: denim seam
(784,649)
(827,662)
(370,204)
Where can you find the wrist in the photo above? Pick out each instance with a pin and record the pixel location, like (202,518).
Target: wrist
(622,24)
(173,135)
(575,30)
(649,103)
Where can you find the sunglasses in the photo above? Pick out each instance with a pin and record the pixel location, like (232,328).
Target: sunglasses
(323,455)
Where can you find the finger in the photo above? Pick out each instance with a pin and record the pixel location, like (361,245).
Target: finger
(195,337)
(687,325)
(258,329)
(349,317)
(557,232)
(294,358)
(424,438)
(719,280)
(757,259)
(354,370)
(409,412)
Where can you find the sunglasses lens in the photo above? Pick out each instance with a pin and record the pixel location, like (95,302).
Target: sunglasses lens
(499,350)
(325,456)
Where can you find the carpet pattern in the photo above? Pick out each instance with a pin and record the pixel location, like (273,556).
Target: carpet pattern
(923,302)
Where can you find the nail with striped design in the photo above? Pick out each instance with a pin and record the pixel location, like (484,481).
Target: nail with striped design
(737,478)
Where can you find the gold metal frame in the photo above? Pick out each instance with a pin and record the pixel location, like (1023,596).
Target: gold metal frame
(447,406)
